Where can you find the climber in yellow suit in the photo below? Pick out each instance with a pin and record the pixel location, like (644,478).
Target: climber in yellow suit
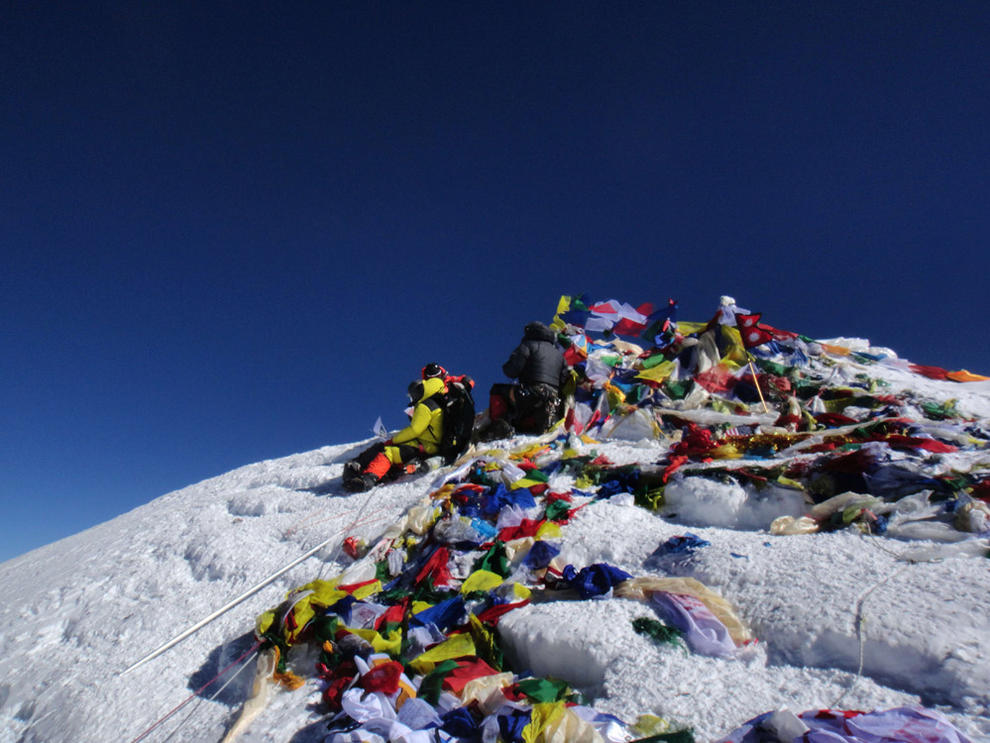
(411,446)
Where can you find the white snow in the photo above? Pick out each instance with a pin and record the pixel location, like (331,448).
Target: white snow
(75,613)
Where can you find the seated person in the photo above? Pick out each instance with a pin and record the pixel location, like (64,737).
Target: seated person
(532,405)
(411,446)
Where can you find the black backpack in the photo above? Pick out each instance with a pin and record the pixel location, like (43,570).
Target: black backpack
(458,420)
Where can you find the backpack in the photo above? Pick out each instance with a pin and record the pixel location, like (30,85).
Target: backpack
(458,420)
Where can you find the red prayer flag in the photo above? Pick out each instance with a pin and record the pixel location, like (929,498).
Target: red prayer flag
(467,670)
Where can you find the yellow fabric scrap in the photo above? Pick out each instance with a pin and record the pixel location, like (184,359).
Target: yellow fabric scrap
(549,530)
(264,622)
(835,350)
(544,714)
(657,373)
(736,352)
(481,580)
(392,644)
(725,451)
(569,728)
(531,451)
(687,328)
(563,305)
(457,646)
(520,591)
(418,606)
(647,725)
(523,482)
(616,396)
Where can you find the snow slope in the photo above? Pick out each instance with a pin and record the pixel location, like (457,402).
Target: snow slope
(910,612)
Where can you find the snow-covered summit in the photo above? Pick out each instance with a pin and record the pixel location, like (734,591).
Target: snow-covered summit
(881,605)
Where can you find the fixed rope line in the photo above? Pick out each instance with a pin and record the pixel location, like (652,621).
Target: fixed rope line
(228,606)
(861,620)
(213,696)
(198,691)
(336,552)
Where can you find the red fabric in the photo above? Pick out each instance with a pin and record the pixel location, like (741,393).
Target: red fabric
(851,463)
(513,694)
(383,677)
(436,568)
(833,420)
(748,321)
(718,379)
(982,490)
(751,331)
(494,613)
(498,407)
(818,448)
(915,442)
(352,546)
(625,326)
(778,334)
(551,497)
(466,670)
(676,462)
(695,442)
(932,372)
(834,714)
(467,493)
(574,355)
(339,679)
(352,587)
(527,528)
(781,383)
(569,423)
(539,488)
(392,614)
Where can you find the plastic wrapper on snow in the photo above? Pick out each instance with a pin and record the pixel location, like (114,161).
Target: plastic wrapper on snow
(703,501)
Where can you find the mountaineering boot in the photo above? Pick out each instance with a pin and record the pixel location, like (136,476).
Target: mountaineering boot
(352,470)
(360,483)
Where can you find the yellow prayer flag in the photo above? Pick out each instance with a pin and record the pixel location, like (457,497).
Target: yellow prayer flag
(457,646)
(481,580)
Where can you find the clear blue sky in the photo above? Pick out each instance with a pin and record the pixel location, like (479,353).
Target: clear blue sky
(234,231)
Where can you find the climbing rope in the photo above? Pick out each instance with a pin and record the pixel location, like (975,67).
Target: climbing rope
(213,696)
(336,552)
(250,651)
(861,619)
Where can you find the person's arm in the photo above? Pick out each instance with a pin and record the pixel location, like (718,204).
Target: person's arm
(417,426)
(517,362)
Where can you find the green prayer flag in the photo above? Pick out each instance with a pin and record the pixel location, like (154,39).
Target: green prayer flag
(544,690)
(432,684)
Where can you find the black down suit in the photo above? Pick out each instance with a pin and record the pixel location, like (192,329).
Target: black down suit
(541,370)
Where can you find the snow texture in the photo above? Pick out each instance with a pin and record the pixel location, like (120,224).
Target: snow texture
(842,620)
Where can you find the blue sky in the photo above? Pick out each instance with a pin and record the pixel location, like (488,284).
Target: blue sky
(235,231)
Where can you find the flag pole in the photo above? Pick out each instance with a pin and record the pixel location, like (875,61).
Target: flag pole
(756,381)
